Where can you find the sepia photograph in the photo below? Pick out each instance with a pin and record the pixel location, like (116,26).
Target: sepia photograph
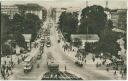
(63,40)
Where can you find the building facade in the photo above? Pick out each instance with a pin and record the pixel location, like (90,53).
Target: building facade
(36,12)
(114,18)
(85,38)
(10,10)
(119,18)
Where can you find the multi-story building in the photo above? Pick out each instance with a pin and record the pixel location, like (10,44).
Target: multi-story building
(114,18)
(119,18)
(36,12)
(107,12)
(10,10)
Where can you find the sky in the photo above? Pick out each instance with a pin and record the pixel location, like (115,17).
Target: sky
(112,4)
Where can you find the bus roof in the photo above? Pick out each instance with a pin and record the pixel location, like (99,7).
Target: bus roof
(28,58)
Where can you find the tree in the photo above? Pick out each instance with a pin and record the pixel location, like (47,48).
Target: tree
(32,24)
(125,41)
(6,49)
(93,20)
(108,43)
(68,24)
(89,47)
(16,24)
(77,42)
(4,27)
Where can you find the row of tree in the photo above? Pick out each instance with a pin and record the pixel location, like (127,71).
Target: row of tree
(22,23)
(93,21)
(68,24)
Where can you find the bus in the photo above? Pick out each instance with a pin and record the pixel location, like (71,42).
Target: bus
(28,64)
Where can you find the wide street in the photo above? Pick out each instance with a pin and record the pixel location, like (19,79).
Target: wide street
(64,59)
(63,40)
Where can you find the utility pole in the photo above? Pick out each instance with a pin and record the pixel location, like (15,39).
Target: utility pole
(86,3)
(106,6)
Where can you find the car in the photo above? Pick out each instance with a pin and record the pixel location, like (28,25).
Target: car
(39,56)
(48,44)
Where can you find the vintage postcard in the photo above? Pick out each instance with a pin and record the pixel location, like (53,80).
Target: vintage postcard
(63,40)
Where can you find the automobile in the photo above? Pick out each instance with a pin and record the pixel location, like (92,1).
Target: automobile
(48,44)
(39,56)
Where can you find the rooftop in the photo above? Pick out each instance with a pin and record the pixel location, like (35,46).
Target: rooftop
(85,36)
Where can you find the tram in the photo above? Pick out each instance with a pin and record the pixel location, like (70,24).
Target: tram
(53,66)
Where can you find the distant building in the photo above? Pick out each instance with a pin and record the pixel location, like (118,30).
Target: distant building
(10,10)
(114,18)
(58,13)
(36,12)
(108,13)
(119,17)
(122,20)
(73,9)
(89,38)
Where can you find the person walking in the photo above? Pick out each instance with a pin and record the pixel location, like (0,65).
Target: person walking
(38,66)
(5,62)
(97,65)
(65,68)
(18,61)
(115,72)
(107,69)
(3,73)
(7,73)
(122,75)
(93,59)
(85,60)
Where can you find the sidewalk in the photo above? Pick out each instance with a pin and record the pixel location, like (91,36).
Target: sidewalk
(90,62)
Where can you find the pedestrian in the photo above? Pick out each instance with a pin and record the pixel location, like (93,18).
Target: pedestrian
(18,61)
(122,75)
(85,60)
(107,69)
(97,64)
(100,64)
(5,62)
(7,71)
(115,72)
(3,74)
(124,71)
(65,68)
(38,65)
(3,67)
(93,59)
(10,69)
(13,64)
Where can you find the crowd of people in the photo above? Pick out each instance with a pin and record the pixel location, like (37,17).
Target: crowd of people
(111,66)
(7,66)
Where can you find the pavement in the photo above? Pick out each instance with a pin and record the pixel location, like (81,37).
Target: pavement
(89,70)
